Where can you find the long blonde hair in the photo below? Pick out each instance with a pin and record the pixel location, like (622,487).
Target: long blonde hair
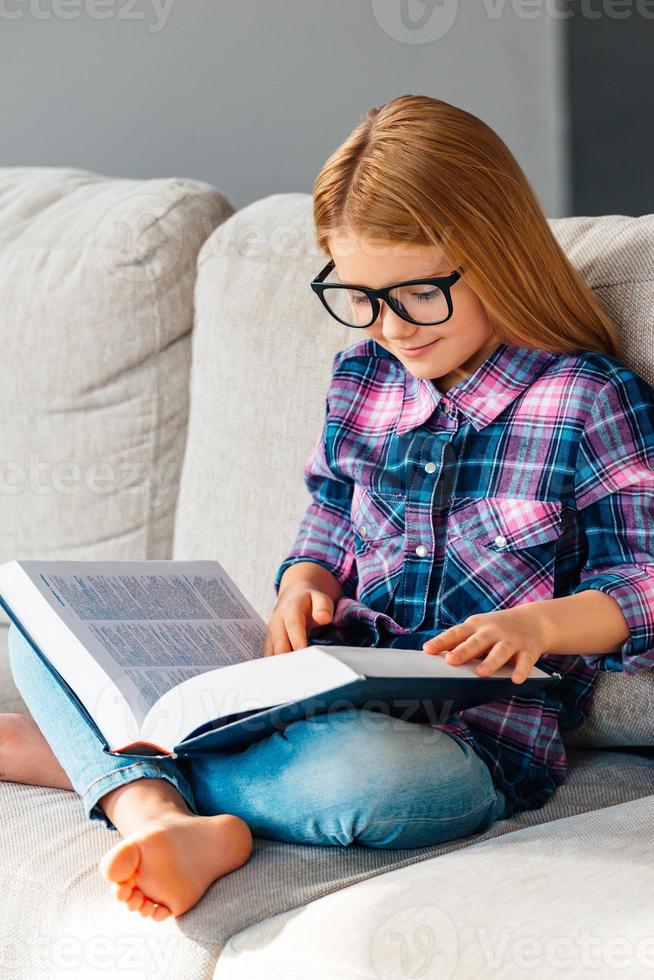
(421,170)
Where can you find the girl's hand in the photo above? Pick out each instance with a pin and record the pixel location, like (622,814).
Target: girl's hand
(299,608)
(517,634)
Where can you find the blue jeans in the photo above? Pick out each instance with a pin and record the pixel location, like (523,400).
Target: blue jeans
(343,777)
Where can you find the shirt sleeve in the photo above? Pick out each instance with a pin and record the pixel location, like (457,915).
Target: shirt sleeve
(325,534)
(614,490)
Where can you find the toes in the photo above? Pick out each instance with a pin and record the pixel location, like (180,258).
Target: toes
(135,900)
(121,862)
(123,889)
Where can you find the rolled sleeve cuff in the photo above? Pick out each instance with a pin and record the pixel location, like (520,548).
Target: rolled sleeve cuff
(633,589)
(325,538)
(343,572)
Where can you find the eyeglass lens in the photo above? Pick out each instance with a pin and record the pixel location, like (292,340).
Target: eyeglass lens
(423,302)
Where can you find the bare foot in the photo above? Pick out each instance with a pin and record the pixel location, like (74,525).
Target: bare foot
(26,756)
(167,865)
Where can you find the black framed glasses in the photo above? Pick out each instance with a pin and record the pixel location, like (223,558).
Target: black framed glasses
(425,302)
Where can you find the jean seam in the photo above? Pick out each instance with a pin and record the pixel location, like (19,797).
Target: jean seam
(120,769)
(412,820)
(155,772)
(455,816)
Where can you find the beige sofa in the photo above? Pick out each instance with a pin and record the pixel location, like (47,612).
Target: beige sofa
(163,366)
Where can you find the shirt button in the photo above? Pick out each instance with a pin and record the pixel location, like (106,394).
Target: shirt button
(363,531)
(500,540)
(421,550)
(430,467)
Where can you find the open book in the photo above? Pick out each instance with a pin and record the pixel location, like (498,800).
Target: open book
(166,658)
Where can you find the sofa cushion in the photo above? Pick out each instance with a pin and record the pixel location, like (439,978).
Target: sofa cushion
(59,918)
(566,898)
(262,355)
(58,913)
(615,254)
(621,712)
(96,304)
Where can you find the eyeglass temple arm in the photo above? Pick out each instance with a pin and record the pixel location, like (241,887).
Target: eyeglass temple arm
(325,272)
(322,275)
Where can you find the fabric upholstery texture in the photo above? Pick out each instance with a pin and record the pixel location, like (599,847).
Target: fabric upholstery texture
(262,352)
(615,254)
(52,891)
(96,285)
(545,901)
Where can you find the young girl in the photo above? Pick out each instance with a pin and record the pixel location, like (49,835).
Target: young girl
(482,485)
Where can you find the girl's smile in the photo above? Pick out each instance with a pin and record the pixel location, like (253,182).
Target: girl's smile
(417,351)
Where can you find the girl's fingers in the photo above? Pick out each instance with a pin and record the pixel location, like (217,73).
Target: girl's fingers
(316,604)
(283,644)
(288,629)
(524,663)
(297,633)
(446,640)
(279,639)
(474,646)
(321,606)
(499,654)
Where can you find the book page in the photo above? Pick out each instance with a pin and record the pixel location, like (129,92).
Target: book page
(250,686)
(151,625)
(391,662)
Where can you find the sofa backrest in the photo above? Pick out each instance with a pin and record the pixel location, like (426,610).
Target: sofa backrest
(262,354)
(96,306)
(615,254)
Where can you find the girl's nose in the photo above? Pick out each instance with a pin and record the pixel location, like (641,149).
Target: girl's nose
(392,326)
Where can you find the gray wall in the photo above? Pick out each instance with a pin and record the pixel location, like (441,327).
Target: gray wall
(253,97)
(611,72)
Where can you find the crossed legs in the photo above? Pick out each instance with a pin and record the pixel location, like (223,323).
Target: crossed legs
(347,777)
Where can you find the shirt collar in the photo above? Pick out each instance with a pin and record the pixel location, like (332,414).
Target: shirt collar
(480,397)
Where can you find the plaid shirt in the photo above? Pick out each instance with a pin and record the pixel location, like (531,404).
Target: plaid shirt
(532,478)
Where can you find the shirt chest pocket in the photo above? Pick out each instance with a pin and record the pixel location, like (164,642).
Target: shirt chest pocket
(378,524)
(500,552)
